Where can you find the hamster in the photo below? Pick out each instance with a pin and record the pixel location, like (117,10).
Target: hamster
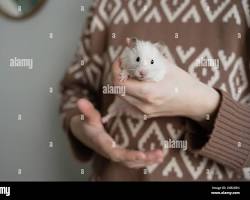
(143,61)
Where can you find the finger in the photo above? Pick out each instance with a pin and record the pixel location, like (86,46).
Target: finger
(142,164)
(132,155)
(89,111)
(158,114)
(116,70)
(137,89)
(135,166)
(124,155)
(154,156)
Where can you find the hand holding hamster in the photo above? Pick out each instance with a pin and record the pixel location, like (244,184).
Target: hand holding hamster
(143,61)
(167,91)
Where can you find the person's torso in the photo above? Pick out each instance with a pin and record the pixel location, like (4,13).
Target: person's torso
(215,31)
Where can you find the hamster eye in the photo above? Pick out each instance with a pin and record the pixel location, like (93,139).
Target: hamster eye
(152,62)
(138,59)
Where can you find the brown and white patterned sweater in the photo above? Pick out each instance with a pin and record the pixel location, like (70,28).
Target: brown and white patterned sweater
(192,30)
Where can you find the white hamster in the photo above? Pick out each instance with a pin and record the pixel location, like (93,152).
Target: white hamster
(141,60)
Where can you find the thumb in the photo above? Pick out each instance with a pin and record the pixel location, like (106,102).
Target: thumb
(116,70)
(90,113)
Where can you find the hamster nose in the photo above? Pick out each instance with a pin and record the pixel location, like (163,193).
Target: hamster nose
(142,73)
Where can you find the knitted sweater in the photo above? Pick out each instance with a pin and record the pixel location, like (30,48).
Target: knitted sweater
(218,149)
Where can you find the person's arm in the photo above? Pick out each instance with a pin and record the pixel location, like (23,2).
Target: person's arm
(80,79)
(81,94)
(224,137)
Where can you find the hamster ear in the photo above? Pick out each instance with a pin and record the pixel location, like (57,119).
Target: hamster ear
(161,46)
(131,42)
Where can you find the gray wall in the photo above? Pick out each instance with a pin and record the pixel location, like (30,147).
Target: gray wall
(25,144)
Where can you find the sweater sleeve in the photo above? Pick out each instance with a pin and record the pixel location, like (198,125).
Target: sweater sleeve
(226,139)
(82,79)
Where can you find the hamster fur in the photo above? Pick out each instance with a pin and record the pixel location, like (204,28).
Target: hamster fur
(143,61)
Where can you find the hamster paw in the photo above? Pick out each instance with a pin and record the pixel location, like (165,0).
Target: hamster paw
(123,76)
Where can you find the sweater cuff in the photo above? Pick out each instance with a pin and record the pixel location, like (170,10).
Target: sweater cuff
(81,152)
(229,142)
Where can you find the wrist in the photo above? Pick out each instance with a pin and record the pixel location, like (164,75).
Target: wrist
(206,104)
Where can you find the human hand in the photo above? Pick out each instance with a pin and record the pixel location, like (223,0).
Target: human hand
(92,134)
(178,94)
